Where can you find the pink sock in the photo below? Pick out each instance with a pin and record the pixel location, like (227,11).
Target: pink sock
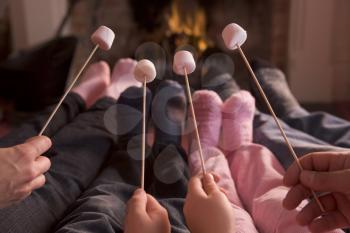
(122,78)
(207,107)
(93,82)
(237,121)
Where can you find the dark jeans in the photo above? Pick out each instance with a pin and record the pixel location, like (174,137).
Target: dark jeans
(310,133)
(102,207)
(79,150)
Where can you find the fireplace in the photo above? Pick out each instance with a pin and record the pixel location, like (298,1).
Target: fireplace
(175,23)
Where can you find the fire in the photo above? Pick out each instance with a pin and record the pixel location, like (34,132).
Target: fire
(188,20)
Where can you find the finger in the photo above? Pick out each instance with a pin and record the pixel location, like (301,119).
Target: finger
(18,198)
(41,143)
(295,196)
(37,182)
(34,147)
(328,222)
(312,210)
(209,184)
(336,181)
(318,161)
(34,169)
(327,161)
(195,187)
(21,192)
(291,177)
(42,164)
(224,191)
(26,188)
(217,178)
(153,205)
(137,202)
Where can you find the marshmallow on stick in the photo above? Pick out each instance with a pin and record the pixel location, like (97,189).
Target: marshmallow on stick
(234,37)
(144,72)
(184,64)
(103,38)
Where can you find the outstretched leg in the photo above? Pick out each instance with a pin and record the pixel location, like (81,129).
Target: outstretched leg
(101,208)
(208,111)
(76,102)
(321,125)
(169,160)
(256,171)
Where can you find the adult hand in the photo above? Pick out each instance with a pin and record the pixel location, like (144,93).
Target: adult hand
(22,169)
(327,172)
(145,215)
(207,208)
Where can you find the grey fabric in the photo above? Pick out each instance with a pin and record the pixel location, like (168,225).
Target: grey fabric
(70,108)
(321,125)
(267,134)
(102,207)
(79,151)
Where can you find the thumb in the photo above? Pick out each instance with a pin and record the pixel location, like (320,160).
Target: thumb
(138,202)
(152,204)
(155,209)
(336,181)
(209,184)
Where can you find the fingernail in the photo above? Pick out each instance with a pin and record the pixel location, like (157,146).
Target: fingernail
(209,176)
(139,191)
(45,141)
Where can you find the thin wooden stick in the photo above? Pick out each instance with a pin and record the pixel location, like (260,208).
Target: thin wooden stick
(143,156)
(195,122)
(262,93)
(68,90)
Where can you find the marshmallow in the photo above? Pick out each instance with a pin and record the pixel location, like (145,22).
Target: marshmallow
(145,70)
(234,34)
(183,59)
(103,37)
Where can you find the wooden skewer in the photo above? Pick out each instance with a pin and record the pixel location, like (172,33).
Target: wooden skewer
(194,122)
(143,156)
(262,93)
(144,72)
(68,90)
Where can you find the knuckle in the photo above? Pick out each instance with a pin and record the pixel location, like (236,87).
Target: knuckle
(20,150)
(31,173)
(26,150)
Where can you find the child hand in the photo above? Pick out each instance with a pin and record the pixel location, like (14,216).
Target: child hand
(207,209)
(327,172)
(146,215)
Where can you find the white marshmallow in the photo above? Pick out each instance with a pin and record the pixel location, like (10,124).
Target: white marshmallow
(234,34)
(183,59)
(103,37)
(145,70)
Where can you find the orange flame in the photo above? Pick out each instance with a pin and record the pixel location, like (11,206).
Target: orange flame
(189,23)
